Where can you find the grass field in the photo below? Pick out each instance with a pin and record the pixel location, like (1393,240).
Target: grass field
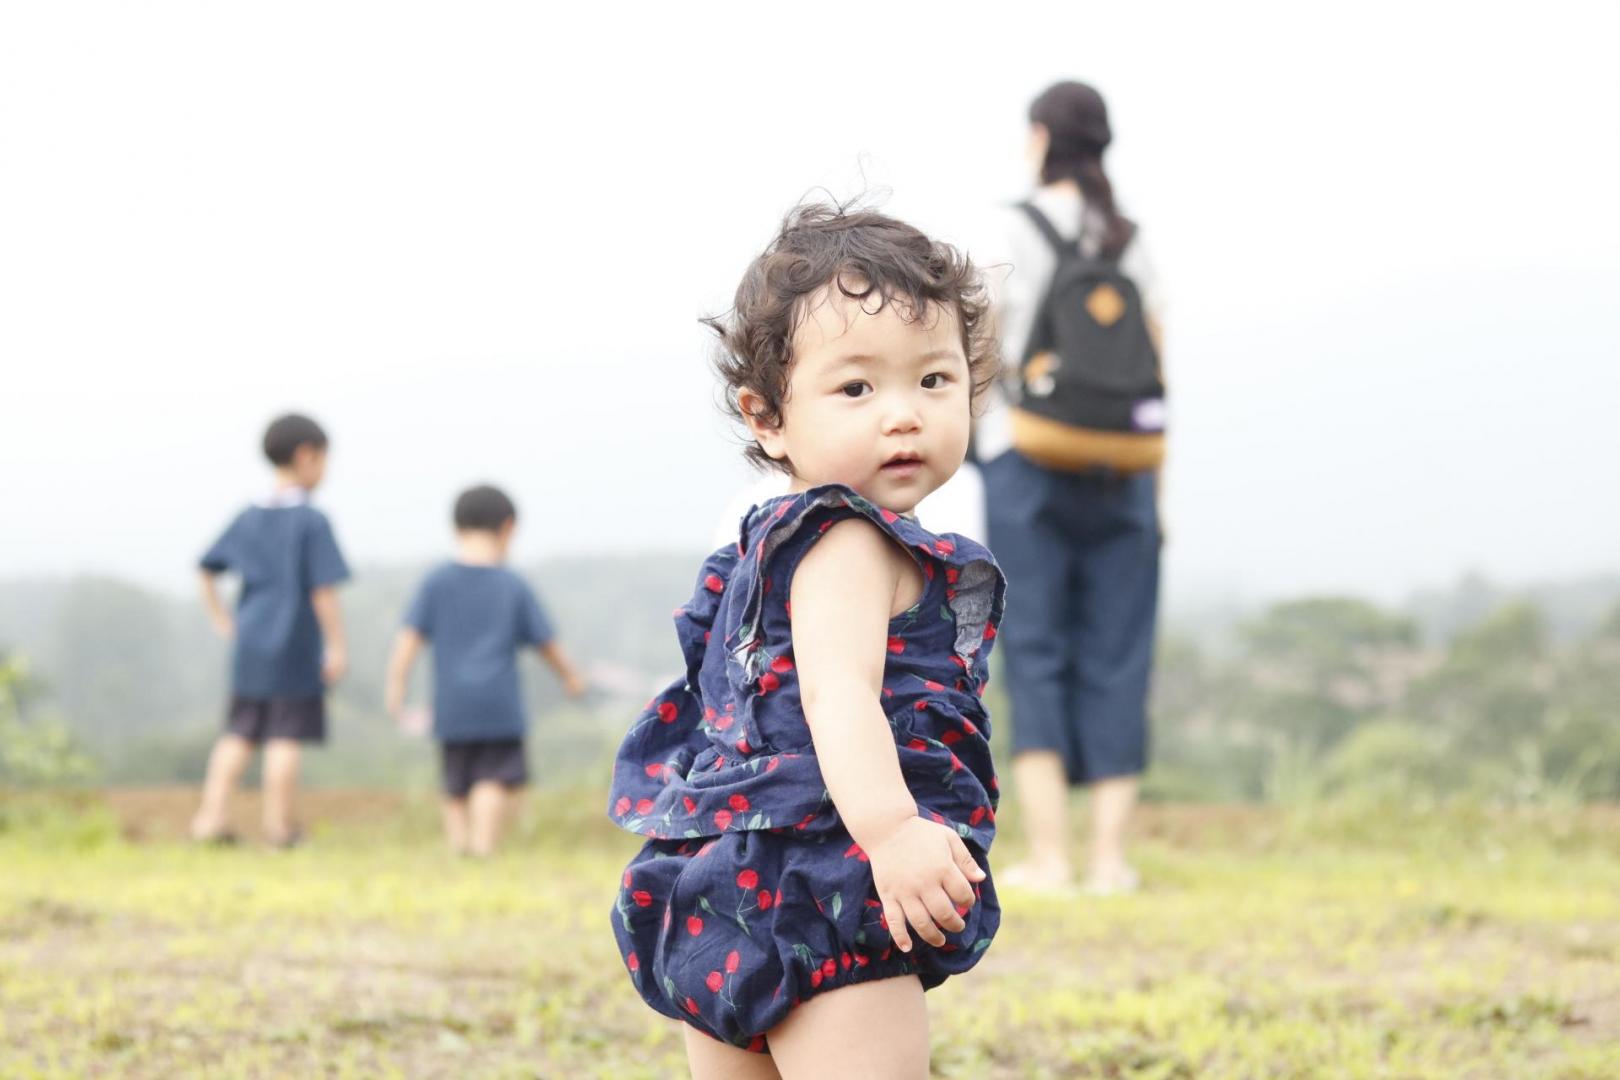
(1334,944)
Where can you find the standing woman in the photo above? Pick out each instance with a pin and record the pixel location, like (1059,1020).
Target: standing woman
(1071,448)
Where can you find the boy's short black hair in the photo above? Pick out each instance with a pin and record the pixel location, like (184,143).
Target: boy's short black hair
(484,508)
(287,433)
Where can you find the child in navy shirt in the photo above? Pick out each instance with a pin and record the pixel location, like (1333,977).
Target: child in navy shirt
(477,615)
(288,632)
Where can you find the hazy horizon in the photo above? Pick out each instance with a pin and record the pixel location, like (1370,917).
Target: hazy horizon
(475,246)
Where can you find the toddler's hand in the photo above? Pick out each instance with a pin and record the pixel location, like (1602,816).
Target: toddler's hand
(334,666)
(224,626)
(923,874)
(575,685)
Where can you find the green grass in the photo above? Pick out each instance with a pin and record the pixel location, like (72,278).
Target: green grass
(1343,944)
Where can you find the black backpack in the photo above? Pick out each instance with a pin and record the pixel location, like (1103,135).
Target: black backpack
(1089,392)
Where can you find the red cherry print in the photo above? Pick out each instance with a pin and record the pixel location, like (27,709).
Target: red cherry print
(766,899)
(888,515)
(977,815)
(713,583)
(756,1045)
(622,807)
(723,723)
(825,525)
(642,897)
(738,802)
(951,737)
(705,637)
(920,706)
(883,920)
(897,645)
(770,766)
(788,607)
(956,763)
(743,747)
(782,665)
(767,586)
(733,960)
(930,684)
(634,962)
(916,744)
(951,574)
(944,547)
(627,879)
(644,806)
(815,977)
(855,852)
(655,769)
(928,571)
(705,849)
(768,682)
(722,819)
(691,1006)
(667,712)
(887,949)
(747,879)
(970,727)
(887,692)
(989,631)
(715,981)
(829,968)
(782,510)
(958,661)
(861,960)
(845,960)
(689,803)
(694,925)
(708,713)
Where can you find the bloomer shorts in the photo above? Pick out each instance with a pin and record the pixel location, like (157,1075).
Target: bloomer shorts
(468,763)
(259,720)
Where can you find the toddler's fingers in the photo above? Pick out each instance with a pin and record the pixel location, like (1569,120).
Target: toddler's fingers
(943,909)
(959,889)
(964,860)
(918,916)
(897,923)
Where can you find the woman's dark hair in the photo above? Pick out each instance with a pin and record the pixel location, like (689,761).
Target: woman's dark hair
(1076,121)
(484,508)
(866,256)
(287,433)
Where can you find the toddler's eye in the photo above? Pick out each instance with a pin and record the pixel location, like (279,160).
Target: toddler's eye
(935,380)
(854,389)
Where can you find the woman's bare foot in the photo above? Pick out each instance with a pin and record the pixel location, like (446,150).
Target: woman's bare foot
(1046,877)
(1112,879)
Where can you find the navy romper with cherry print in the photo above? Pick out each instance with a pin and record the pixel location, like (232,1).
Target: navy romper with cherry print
(749,895)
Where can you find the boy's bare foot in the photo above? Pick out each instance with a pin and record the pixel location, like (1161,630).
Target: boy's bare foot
(1036,877)
(1117,879)
(286,841)
(206,830)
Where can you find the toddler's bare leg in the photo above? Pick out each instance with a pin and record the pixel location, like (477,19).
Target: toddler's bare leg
(487,810)
(455,825)
(280,781)
(874,1029)
(226,764)
(711,1059)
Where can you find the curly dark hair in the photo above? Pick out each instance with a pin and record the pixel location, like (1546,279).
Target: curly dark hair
(865,255)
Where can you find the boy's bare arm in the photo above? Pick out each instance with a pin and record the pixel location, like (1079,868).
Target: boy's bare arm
(560,662)
(841,596)
(407,644)
(221,619)
(327,612)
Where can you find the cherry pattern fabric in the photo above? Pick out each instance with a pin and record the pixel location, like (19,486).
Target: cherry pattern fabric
(749,895)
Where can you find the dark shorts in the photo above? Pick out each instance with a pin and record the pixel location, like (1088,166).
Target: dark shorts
(1081,555)
(258,720)
(467,763)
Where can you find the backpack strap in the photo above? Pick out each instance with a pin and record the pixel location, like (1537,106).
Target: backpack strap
(1043,225)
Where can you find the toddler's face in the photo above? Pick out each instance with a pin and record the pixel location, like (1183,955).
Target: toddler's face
(880,402)
(309,467)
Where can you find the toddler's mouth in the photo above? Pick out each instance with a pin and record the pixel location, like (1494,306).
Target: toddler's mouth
(906,463)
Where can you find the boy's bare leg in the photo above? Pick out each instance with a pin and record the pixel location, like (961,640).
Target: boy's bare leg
(711,1059)
(280,782)
(455,824)
(1112,801)
(226,764)
(486,806)
(869,1030)
(1043,801)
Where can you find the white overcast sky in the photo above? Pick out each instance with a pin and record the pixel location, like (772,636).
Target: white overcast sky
(473,240)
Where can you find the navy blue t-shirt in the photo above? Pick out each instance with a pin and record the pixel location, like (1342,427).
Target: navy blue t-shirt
(281,553)
(477,618)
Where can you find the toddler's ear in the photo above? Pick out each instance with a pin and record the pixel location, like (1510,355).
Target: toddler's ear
(769,436)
